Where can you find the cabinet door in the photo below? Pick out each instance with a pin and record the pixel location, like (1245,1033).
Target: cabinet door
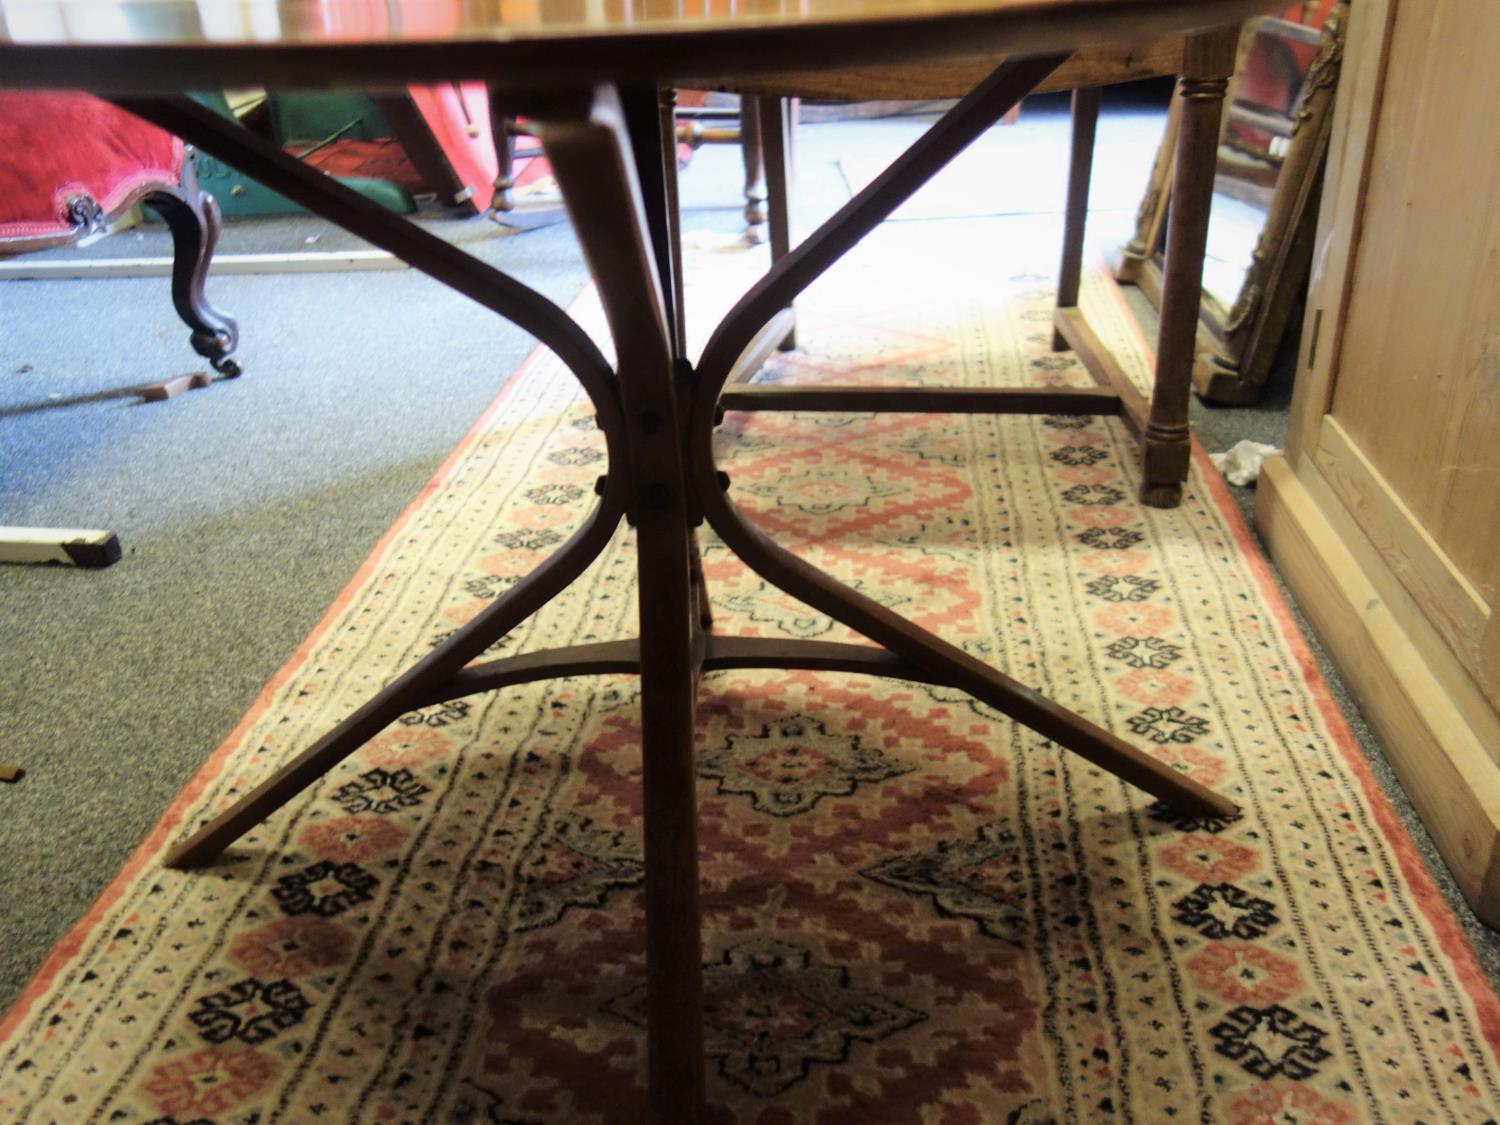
(1410,440)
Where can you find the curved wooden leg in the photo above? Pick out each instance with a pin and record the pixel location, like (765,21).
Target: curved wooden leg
(1166,444)
(594,162)
(907,641)
(420,685)
(491,289)
(946,663)
(192,215)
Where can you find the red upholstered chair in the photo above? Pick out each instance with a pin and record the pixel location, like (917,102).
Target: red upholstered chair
(70,164)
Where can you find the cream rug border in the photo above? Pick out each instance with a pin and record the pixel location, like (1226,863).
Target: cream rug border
(1115,322)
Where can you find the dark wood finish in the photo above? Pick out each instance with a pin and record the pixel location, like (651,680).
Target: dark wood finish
(957,128)
(769,339)
(908,81)
(667,112)
(643,476)
(502,126)
(657,414)
(326,197)
(924,400)
(489,287)
(734,653)
(558,45)
(949,664)
(1165,451)
(1237,346)
(654,156)
(1102,364)
(1166,446)
(1085,119)
(592,161)
(603,658)
(421,684)
(192,217)
(1009,83)
(752,153)
(778,122)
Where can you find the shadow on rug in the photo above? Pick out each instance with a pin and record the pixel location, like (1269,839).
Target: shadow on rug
(914,910)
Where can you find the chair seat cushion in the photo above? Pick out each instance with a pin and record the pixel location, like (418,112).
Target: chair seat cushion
(60,147)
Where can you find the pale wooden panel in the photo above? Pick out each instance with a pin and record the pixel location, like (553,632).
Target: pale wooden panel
(1418,389)
(1340,219)
(1446,766)
(1455,608)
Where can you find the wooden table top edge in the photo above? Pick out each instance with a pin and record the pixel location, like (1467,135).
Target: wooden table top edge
(650,53)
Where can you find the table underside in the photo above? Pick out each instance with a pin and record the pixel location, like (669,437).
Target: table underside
(657,411)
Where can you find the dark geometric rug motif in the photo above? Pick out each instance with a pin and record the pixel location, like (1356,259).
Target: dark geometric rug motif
(250,1011)
(980,879)
(770,1014)
(794,763)
(1271,1042)
(576,865)
(1221,911)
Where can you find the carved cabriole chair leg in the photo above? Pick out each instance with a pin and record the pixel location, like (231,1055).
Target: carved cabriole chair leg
(192,215)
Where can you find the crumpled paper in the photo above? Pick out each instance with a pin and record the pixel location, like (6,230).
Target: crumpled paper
(1241,464)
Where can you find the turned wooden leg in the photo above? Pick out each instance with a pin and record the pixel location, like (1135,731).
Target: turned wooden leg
(1208,60)
(778,124)
(504,198)
(755,168)
(1075,217)
(192,216)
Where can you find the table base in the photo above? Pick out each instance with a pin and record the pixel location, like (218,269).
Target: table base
(657,414)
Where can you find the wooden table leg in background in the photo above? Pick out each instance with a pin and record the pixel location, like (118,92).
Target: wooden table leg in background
(1166,444)
(778,130)
(1085,120)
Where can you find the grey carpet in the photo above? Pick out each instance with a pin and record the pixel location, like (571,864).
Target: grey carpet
(246,507)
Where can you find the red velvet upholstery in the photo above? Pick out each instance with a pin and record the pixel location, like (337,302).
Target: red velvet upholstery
(55,146)
(459,117)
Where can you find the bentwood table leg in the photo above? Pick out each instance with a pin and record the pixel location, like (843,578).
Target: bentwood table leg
(1166,446)
(595,165)
(657,415)
(434,676)
(746,323)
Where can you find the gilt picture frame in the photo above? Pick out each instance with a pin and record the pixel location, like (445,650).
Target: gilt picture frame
(1238,342)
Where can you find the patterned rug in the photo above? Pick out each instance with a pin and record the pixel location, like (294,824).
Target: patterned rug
(914,910)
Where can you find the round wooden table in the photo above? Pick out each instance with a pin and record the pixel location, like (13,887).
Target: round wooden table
(588,77)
